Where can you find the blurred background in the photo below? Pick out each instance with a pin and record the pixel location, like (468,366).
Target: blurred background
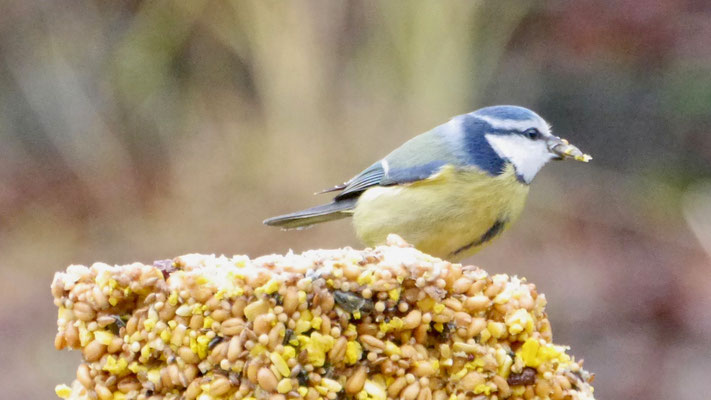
(142,130)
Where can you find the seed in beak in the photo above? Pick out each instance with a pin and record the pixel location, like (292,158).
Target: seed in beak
(563,149)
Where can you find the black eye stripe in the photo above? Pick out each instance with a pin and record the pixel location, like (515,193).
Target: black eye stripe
(532,133)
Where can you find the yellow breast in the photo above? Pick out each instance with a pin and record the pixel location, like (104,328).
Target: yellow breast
(450,215)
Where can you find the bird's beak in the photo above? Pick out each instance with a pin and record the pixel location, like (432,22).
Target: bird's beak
(562,150)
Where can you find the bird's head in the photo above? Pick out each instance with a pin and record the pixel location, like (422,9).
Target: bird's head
(523,138)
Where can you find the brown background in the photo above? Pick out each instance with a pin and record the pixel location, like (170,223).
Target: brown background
(141,130)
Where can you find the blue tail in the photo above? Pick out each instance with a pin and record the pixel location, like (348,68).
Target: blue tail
(314,215)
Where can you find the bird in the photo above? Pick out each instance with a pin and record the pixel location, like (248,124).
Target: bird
(449,191)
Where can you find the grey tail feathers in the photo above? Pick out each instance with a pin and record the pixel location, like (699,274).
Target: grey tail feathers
(314,215)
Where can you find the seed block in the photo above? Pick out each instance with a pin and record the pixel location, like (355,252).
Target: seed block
(374,324)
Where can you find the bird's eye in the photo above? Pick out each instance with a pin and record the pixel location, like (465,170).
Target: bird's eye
(532,133)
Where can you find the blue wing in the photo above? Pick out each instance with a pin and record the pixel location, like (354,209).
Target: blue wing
(460,142)
(371,176)
(417,159)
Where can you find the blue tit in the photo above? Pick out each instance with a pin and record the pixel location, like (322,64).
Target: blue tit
(448,191)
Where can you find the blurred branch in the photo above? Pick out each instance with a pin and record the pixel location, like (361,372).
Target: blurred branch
(69,115)
(697,211)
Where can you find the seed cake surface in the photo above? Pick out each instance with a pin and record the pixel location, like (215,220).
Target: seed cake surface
(374,324)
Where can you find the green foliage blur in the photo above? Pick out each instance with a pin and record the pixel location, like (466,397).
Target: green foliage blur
(141,130)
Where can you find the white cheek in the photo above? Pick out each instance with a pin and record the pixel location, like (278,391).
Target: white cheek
(527,156)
